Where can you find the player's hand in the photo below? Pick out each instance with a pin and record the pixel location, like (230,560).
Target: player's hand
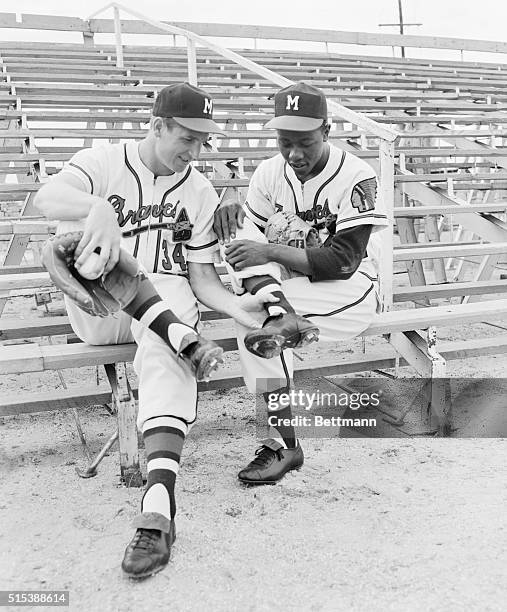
(249,310)
(241,254)
(228,218)
(101,235)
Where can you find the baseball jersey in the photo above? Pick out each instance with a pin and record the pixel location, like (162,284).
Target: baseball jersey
(346,188)
(165,220)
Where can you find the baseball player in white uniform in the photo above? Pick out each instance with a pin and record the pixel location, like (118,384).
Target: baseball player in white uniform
(146,197)
(333,286)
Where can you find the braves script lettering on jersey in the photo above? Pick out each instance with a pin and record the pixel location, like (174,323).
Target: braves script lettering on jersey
(345,189)
(165,220)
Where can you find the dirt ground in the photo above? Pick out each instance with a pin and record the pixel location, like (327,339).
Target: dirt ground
(405,523)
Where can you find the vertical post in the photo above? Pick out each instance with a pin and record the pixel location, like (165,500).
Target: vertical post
(400,13)
(117,36)
(127,428)
(192,62)
(440,387)
(88,39)
(386,193)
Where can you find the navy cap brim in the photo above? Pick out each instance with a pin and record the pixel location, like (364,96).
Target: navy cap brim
(199,125)
(294,124)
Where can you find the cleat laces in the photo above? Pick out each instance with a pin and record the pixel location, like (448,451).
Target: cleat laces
(144,539)
(264,456)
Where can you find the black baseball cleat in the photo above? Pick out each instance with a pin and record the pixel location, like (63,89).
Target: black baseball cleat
(148,552)
(201,356)
(280,332)
(271,463)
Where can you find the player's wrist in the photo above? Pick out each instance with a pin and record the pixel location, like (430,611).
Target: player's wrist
(274,252)
(100,203)
(233,305)
(292,257)
(101,208)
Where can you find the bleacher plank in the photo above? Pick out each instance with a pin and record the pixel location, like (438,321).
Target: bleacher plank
(383,359)
(448,290)
(38,358)
(415,212)
(457,250)
(8,270)
(16,329)
(437,316)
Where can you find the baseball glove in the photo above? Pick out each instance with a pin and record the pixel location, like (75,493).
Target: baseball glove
(100,297)
(287,228)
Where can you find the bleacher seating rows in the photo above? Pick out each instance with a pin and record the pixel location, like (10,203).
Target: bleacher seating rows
(450,168)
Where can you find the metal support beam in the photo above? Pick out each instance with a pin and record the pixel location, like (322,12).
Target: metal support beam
(386,194)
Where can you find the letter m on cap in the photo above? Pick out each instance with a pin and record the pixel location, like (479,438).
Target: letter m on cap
(208,106)
(292,103)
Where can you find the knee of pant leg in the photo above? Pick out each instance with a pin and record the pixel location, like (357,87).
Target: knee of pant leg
(164,384)
(187,417)
(155,402)
(97,330)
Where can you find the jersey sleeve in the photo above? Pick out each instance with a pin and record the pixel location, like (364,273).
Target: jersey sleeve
(361,204)
(88,166)
(259,205)
(203,245)
(341,256)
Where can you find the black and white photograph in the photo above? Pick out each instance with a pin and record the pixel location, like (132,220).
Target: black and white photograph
(253,306)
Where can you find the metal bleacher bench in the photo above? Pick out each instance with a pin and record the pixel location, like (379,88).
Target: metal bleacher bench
(399,327)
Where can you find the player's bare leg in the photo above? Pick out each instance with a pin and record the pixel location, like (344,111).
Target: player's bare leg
(127,288)
(283,328)
(278,455)
(150,549)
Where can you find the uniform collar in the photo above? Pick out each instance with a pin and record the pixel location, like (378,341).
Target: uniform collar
(135,161)
(333,163)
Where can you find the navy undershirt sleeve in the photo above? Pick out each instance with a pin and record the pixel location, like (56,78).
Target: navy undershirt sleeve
(341,255)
